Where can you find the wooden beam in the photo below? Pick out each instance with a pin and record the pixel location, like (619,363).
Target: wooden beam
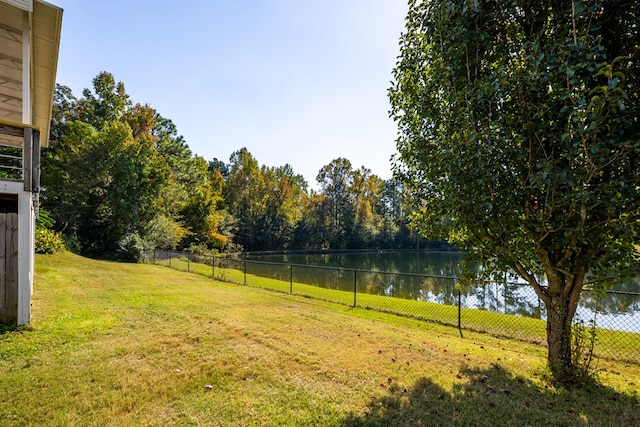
(11,130)
(27,159)
(35,170)
(11,123)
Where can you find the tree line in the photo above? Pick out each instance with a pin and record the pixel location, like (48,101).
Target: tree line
(119,178)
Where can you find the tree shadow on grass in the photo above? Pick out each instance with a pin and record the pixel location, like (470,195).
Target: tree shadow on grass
(493,397)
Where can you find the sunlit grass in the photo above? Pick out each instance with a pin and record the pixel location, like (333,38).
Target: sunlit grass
(125,344)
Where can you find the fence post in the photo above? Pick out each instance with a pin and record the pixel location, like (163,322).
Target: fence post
(459,311)
(188,262)
(245,271)
(213,266)
(170,256)
(290,278)
(355,286)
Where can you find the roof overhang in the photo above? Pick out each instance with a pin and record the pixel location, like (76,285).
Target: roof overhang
(31,28)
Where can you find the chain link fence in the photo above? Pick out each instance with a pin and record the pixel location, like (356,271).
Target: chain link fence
(510,310)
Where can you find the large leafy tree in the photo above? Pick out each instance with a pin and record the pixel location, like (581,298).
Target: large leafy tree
(199,214)
(336,183)
(107,102)
(518,138)
(285,192)
(102,177)
(245,198)
(367,190)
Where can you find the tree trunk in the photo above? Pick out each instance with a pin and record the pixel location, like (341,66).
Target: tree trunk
(561,303)
(559,340)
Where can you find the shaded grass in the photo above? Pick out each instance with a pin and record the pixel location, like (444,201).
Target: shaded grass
(122,344)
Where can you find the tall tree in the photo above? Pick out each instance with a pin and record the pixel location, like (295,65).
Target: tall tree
(283,206)
(199,213)
(170,229)
(311,231)
(106,104)
(367,191)
(245,197)
(63,112)
(102,184)
(336,180)
(519,140)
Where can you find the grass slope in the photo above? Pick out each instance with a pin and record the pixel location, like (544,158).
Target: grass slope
(125,344)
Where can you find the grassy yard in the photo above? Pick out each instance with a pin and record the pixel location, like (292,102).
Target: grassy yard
(610,344)
(127,344)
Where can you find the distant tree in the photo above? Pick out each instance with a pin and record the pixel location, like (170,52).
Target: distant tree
(199,214)
(245,198)
(118,176)
(172,147)
(102,186)
(519,141)
(312,232)
(102,177)
(64,111)
(106,104)
(284,196)
(335,181)
(392,200)
(220,166)
(367,193)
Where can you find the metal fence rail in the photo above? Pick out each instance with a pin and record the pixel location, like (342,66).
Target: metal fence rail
(11,163)
(511,310)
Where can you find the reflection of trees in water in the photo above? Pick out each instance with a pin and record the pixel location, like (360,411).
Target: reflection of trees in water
(414,287)
(501,298)
(431,263)
(614,302)
(522,300)
(510,299)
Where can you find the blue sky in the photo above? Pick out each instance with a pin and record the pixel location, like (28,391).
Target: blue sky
(294,81)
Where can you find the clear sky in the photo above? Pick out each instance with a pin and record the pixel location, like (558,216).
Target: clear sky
(294,81)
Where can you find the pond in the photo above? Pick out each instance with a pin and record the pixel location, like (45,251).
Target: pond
(619,311)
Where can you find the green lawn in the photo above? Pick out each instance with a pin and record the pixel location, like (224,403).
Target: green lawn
(610,344)
(128,344)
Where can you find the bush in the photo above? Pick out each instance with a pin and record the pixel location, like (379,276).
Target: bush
(48,242)
(164,233)
(130,247)
(200,250)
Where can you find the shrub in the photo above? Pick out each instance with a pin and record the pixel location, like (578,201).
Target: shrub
(48,242)
(130,247)
(200,250)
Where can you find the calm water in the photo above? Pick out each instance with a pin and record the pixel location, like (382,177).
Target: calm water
(432,263)
(613,311)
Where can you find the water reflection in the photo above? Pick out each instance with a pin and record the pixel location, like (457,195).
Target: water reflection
(402,275)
